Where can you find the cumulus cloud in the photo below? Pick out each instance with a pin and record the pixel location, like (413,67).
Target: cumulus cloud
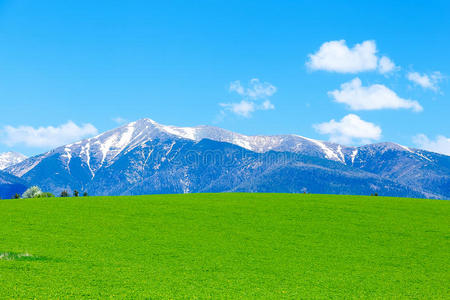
(427,81)
(386,65)
(336,56)
(440,144)
(243,108)
(254,97)
(350,129)
(46,137)
(373,97)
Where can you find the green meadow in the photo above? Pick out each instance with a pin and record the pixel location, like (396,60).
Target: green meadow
(225,246)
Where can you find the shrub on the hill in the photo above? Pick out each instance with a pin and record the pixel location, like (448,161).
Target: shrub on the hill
(45,195)
(32,192)
(64,194)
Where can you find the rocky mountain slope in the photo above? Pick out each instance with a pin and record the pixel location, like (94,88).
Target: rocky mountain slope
(146,157)
(10,185)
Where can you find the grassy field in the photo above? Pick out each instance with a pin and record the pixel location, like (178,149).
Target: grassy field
(225,246)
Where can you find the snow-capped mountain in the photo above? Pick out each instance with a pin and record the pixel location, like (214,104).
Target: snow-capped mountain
(8,159)
(102,150)
(147,157)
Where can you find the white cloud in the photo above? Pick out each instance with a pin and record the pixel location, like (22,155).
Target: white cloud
(236,86)
(119,120)
(46,137)
(440,145)
(254,97)
(266,105)
(336,56)
(243,108)
(256,89)
(246,108)
(386,65)
(426,81)
(373,97)
(350,129)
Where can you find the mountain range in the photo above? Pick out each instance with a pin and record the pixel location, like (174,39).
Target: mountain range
(144,157)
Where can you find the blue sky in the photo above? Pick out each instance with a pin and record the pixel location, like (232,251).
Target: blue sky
(255,67)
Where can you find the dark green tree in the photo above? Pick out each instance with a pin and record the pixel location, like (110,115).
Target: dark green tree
(75,193)
(64,194)
(45,195)
(16,196)
(85,194)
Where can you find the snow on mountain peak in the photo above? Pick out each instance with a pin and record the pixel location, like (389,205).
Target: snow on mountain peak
(8,159)
(103,149)
(256,143)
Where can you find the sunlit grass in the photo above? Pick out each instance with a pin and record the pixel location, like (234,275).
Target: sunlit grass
(224,246)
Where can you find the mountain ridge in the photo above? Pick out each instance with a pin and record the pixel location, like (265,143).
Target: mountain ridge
(78,165)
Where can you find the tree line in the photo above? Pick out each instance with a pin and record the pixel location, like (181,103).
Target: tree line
(36,192)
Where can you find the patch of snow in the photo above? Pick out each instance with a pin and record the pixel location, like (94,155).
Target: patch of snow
(169,149)
(86,151)
(189,133)
(68,155)
(8,159)
(327,151)
(406,148)
(341,155)
(416,153)
(106,146)
(354,153)
(244,143)
(423,156)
